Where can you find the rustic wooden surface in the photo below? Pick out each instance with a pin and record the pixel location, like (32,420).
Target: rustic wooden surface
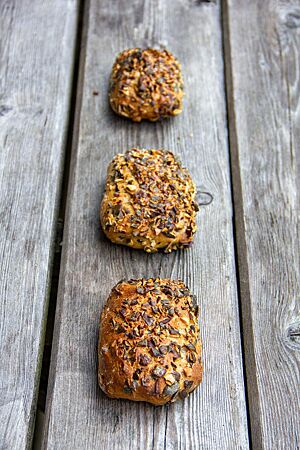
(258,42)
(263,60)
(36,56)
(79,416)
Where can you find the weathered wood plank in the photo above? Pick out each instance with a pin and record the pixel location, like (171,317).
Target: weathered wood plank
(79,416)
(263,73)
(36,58)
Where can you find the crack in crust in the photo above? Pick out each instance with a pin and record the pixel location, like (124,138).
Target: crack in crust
(149,201)
(149,345)
(146,84)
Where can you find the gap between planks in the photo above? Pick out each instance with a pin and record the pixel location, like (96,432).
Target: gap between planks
(240,249)
(63,195)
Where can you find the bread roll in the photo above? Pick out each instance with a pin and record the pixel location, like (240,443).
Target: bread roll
(146,84)
(149,345)
(149,201)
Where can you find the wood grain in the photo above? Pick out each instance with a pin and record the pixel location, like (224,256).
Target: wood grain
(36,58)
(263,72)
(79,415)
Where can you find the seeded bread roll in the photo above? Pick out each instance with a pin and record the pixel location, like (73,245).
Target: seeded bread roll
(149,201)
(149,345)
(146,84)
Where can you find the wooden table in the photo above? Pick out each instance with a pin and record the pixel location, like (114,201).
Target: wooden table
(239,135)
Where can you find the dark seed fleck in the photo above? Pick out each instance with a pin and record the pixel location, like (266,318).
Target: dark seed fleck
(145,382)
(130,335)
(171,390)
(154,341)
(183,394)
(176,355)
(136,374)
(144,360)
(163,349)
(158,371)
(123,313)
(128,389)
(134,384)
(192,358)
(164,321)
(176,375)
(166,290)
(173,331)
(149,321)
(119,329)
(157,387)
(155,352)
(188,384)
(165,302)
(167,234)
(191,346)
(134,317)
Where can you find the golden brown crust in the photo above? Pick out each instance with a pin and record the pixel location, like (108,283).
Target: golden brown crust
(149,345)
(146,84)
(149,201)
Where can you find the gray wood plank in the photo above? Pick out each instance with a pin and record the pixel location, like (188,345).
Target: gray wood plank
(263,68)
(79,415)
(36,58)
